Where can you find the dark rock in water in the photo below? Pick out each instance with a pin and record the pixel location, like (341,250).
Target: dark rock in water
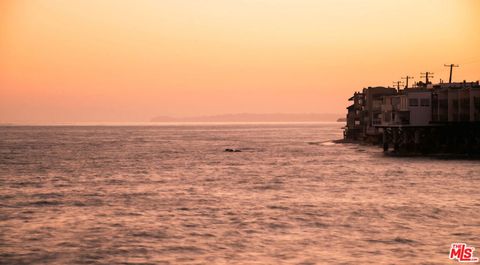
(232,150)
(402,240)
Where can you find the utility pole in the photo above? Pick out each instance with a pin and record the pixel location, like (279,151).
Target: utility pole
(426,75)
(407,78)
(397,83)
(451,68)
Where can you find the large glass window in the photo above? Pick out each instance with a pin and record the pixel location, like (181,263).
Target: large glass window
(395,101)
(413,102)
(425,102)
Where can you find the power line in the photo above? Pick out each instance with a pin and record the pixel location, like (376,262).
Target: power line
(426,75)
(407,78)
(451,69)
(397,83)
(472,60)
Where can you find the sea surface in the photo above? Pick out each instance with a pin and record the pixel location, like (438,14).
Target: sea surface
(169,194)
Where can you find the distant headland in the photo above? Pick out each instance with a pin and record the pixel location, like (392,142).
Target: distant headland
(254,117)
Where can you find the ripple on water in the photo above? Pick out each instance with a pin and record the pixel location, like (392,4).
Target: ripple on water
(170,195)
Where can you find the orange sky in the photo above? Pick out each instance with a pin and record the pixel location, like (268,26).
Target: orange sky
(114,60)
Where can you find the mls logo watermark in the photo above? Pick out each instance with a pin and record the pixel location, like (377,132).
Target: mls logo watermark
(462,253)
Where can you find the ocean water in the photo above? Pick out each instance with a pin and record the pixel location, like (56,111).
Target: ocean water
(171,195)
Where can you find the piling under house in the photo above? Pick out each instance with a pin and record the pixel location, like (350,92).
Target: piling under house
(427,118)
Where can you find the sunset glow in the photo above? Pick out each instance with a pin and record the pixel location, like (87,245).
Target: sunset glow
(81,61)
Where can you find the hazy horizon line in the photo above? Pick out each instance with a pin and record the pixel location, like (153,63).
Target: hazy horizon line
(221,118)
(252,117)
(158,123)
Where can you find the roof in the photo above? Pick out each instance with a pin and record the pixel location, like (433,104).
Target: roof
(417,90)
(355,95)
(457,85)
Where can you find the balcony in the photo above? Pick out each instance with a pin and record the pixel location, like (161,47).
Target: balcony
(376,121)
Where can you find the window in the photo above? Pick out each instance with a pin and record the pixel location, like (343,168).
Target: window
(455,104)
(396,101)
(386,117)
(413,102)
(425,102)
(476,103)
